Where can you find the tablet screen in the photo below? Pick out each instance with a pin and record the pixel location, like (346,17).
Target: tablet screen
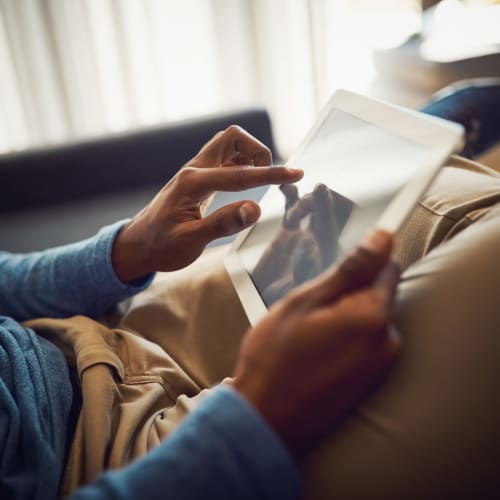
(352,170)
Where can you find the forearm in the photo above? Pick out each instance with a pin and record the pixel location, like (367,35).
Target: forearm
(223,450)
(73,279)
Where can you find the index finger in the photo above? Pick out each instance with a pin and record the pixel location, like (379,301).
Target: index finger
(200,182)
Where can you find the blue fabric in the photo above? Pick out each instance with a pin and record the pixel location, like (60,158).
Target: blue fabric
(35,400)
(224,450)
(72,279)
(35,387)
(477,108)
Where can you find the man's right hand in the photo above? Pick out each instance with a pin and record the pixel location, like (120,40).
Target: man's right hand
(323,347)
(171,232)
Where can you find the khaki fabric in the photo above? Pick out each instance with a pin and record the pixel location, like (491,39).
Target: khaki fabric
(142,370)
(458,198)
(430,428)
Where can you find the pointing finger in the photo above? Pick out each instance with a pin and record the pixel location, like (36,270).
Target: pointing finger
(200,182)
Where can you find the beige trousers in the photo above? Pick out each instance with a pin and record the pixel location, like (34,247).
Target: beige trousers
(432,430)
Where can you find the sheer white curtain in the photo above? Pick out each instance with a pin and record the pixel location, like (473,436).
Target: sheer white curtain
(77,68)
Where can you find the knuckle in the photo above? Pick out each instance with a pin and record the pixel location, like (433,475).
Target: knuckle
(241,177)
(355,265)
(351,265)
(185,175)
(222,224)
(294,299)
(263,157)
(264,152)
(217,222)
(234,130)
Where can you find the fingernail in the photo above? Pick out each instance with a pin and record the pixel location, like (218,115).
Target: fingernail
(248,213)
(373,240)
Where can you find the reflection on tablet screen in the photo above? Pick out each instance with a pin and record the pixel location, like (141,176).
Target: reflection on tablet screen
(352,171)
(306,243)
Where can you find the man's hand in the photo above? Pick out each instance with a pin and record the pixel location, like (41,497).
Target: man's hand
(171,232)
(322,348)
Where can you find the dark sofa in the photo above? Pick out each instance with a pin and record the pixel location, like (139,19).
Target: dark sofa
(57,195)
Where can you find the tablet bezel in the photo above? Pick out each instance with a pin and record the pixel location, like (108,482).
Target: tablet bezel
(441,137)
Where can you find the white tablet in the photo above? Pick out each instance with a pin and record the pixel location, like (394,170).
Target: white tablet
(366,164)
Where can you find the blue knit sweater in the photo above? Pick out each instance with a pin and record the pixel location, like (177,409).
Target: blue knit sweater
(224,449)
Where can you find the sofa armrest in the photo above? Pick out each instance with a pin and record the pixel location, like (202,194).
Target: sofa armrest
(56,195)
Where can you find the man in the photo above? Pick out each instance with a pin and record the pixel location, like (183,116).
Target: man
(430,432)
(330,335)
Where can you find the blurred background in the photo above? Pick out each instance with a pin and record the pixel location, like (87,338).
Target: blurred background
(72,69)
(102,101)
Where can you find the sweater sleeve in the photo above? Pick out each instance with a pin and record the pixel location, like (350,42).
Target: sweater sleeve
(223,450)
(72,279)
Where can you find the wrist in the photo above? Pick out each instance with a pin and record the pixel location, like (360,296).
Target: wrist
(264,406)
(129,255)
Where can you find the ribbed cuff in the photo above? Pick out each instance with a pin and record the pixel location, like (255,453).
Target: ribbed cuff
(103,274)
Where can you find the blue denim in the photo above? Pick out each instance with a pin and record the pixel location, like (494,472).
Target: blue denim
(476,106)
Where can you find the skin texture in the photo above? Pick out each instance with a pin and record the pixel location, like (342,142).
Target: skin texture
(322,348)
(171,232)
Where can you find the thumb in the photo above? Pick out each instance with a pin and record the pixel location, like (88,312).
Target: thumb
(359,269)
(228,220)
